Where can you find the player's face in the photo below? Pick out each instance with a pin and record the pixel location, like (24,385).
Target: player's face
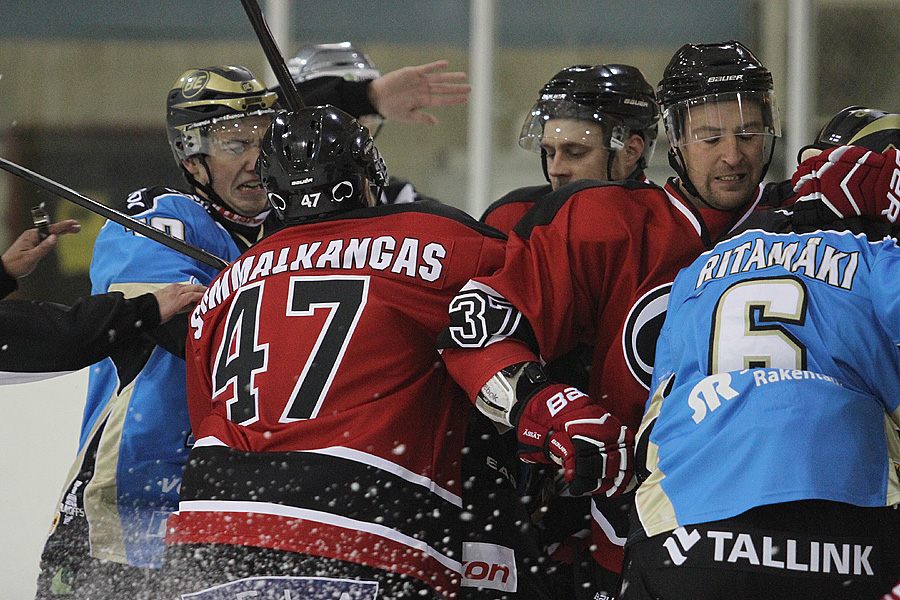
(726,165)
(233,150)
(574,151)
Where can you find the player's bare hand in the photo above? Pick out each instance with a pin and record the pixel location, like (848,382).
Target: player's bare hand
(177,298)
(26,252)
(400,95)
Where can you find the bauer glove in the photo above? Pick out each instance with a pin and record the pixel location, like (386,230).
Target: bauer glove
(847,181)
(560,424)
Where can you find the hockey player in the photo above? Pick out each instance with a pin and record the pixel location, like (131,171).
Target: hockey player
(771,339)
(330,438)
(593,264)
(108,535)
(44,339)
(343,76)
(597,122)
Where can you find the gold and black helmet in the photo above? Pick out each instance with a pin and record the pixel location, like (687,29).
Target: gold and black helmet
(201,98)
(870,128)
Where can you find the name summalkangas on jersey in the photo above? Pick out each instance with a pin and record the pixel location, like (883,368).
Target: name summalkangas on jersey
(815,260)
(408,257)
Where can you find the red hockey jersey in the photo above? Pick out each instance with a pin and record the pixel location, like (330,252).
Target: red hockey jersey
(509,210)
(325,421)
(591,263)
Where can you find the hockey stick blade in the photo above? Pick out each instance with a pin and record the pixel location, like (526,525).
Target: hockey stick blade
(292,100)
(113,215)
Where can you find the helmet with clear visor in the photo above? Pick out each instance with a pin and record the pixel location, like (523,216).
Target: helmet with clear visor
(709,91)
(206,105)
(598,106)
(740,113)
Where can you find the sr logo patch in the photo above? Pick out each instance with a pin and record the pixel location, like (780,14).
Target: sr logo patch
(642,326)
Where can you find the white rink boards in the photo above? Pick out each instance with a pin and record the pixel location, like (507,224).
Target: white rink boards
(39,433)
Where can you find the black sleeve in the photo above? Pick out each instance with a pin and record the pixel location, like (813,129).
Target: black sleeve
(8,283)
(172,336)
(351,97)
(38,337)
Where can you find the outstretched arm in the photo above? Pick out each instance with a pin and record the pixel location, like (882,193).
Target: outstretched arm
(402,94)
(43,337)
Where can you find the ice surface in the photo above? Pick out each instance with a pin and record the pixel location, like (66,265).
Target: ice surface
(39,433)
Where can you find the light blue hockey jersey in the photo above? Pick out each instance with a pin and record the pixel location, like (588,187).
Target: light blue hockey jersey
(137,416)
(776,370)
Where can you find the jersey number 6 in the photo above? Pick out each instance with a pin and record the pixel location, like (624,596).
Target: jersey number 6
(748,326)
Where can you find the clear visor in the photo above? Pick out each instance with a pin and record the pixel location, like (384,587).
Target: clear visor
(570,122)
(706,118)
(229,136)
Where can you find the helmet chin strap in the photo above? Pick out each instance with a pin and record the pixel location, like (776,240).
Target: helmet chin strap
(217,203)
(207,189)
(635,173)
(676,161)
(610,157)
(544,165)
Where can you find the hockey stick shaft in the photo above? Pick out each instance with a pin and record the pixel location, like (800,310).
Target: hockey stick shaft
(113,215)
(291,97)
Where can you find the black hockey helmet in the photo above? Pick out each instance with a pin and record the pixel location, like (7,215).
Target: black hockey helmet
(203,99)
(698,70)
(870,128)
(701,76)
(618,97)
(317,161)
